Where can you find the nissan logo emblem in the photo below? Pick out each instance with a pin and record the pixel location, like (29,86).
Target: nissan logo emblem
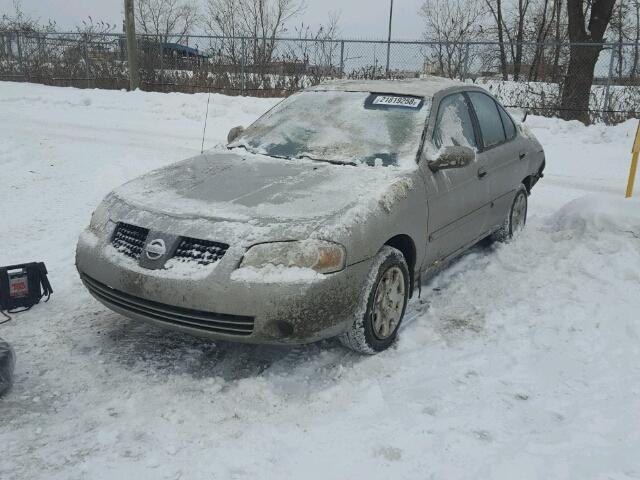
(155,249)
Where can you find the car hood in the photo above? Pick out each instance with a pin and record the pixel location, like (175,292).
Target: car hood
(253,188)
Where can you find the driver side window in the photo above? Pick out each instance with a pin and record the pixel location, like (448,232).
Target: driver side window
(453,125)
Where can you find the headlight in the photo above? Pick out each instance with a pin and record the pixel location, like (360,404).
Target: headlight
(321,256)
(100,217)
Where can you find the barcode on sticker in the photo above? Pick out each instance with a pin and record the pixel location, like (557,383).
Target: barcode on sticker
(408,102)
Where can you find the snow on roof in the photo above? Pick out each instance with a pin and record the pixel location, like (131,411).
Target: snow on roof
(424,87)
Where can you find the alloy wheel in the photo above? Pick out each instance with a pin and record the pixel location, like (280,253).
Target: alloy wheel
(388,303)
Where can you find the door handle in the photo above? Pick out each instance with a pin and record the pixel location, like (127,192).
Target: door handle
(523,155)
(482,172)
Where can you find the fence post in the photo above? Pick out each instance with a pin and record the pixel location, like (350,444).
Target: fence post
(342,59)
(85,53)
(465,66)
(242,64)
(132,47)
(175,57)
(161,45)
(607,91)
(19,44)
(389,42)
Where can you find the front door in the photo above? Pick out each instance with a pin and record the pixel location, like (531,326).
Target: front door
(501,155)
(456,198)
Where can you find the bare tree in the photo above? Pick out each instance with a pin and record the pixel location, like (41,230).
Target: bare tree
(622,28)
(450,23)
(559,36)
(164,18)
(495,7)
(19,25)
(636,38)
(542,31)
(512,25)
(262,20)
(517,52)
(318,49)
(19,21)
(94,29)
(550,33)
(223,18)
(586,45)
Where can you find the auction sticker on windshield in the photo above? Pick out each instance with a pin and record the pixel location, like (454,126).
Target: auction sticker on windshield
(397,101)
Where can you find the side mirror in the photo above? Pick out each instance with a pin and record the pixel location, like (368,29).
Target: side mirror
(234,133)
(453,157)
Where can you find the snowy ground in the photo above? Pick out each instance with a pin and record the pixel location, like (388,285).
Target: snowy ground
(520,362)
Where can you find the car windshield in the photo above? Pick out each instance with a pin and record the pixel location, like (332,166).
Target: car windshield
(341,127)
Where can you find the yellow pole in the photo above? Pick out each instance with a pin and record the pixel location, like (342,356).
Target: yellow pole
(632,174)
(634,164)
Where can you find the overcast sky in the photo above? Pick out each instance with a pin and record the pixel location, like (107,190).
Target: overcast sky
(358,18)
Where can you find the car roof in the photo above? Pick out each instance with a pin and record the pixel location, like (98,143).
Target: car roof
(426,86)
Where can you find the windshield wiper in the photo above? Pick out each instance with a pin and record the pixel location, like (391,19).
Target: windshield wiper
(253,152)
(229,147)
(325,160)
(299,157)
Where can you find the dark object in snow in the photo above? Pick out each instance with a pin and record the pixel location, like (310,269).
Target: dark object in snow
(7,363)
(23,286)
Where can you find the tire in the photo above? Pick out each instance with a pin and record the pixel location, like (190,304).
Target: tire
(7,363)
(386,295)
(516,218)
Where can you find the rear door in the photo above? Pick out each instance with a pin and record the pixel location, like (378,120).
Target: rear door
(501,155)
(456,197)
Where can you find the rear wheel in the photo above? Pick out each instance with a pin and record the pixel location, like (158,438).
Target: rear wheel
(387,295)
(516,218)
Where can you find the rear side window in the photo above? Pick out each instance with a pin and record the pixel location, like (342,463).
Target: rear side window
(489,119)
(453,125)
(509,127)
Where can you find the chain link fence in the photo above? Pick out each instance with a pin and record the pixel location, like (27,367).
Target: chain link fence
(275,67)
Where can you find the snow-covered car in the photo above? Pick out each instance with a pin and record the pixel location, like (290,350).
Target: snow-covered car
(318,220)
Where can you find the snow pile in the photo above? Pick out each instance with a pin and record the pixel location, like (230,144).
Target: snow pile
(593,215)
(397,190)
(519,361)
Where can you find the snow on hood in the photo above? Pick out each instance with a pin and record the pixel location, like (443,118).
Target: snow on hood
(242,187)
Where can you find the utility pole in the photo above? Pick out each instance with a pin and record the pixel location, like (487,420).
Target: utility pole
(132,47)
(389,42)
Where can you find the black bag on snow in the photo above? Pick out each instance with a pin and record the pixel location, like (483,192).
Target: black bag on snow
(22,286)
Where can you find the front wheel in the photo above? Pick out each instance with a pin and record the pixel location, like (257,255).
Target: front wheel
(387,295)
(516,218)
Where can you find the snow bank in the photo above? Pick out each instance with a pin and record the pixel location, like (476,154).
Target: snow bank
(593,215)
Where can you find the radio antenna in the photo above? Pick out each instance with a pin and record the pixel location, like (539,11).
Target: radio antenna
(206,117)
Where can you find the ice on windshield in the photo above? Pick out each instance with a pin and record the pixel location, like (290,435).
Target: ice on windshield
(342,127)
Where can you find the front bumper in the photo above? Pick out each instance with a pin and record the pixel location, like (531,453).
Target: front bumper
(212,304)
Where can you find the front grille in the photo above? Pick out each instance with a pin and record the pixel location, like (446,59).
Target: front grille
(129,240)
(202,252)
(234,325)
